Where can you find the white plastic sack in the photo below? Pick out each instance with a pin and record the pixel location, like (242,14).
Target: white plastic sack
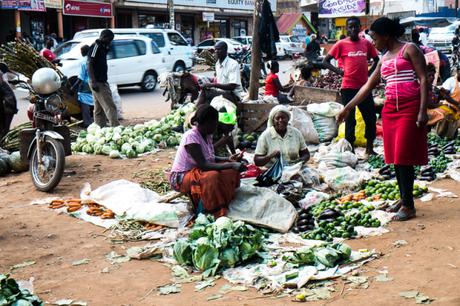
(328,109)
(345,178)
(338,160)
(220,102)
(262,207)
(325,126)
(290,171)
(117,100)
(310,177)
(312,198)
(302,121)
(342,145)
(133,202)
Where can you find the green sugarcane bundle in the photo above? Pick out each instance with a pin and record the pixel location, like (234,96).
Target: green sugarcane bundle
(209,59)
(10,141)
(21,57)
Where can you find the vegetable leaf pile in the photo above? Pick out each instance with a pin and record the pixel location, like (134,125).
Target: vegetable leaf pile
(218,244)
(11,294)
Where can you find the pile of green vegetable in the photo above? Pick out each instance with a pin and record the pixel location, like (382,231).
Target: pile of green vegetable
(248,141)
(439,163)
(12,294)
(376,161)
(131,141)
(218,244)
(329,255)
(12,163)
(389,190)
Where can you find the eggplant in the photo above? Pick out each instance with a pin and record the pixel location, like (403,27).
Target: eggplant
(449,144)
(427,171)
(450,151)
(295,229)
(302,222)
(303,228)
(303,216)
(328,214)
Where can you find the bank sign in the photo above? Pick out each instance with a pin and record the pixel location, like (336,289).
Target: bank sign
(215,4)
(341,8)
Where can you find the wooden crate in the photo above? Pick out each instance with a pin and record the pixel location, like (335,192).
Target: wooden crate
(306,95)
(252,117)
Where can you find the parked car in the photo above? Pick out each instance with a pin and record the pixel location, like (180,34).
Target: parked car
(246,41)
(132,60)
(441,38)
(291,45)
(175,48)
(234,46)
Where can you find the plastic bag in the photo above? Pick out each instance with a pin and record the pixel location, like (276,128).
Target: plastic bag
(341,145)
(335,159)
(360,140)
(272,175)
(310,177)
(262,207)
(117,100)
(345,178)
(290,171)
(302,121)
(312,198)
(252,171)
(327,109)
(325,126)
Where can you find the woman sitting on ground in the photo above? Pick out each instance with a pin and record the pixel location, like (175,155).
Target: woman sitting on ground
(280,139)
(210,180)
(273,85)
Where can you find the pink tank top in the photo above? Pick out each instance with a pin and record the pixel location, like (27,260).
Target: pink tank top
(401,79)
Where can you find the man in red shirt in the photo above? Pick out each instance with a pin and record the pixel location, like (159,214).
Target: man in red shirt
(353,53)
(47,53)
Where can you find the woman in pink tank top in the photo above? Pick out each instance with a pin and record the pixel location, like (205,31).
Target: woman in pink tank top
(404,116)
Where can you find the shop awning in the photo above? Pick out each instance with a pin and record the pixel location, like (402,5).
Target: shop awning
(288,20)
(428,21)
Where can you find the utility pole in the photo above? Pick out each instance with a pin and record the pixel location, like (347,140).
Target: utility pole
(255,53)
(171,14)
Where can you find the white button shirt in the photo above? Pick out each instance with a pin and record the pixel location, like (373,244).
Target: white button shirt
(228,72)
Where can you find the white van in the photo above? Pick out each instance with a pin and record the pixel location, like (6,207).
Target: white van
(176,50)
(441,38)
(132,60)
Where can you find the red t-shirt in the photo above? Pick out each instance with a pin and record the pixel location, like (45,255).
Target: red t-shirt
(270,87)
(48,54)
(353,56)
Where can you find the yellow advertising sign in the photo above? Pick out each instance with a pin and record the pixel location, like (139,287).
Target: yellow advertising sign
(53,4)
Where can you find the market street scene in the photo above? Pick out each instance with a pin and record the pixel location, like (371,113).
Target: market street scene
(226,152)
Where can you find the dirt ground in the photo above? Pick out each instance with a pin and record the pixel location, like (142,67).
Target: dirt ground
(429,263)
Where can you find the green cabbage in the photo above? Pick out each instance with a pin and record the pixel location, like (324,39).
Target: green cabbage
(229,258)
(206,258)
(327,256)
(182,252)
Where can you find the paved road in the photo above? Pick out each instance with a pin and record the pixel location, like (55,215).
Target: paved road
(138,104)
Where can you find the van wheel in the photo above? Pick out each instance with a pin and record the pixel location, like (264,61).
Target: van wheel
(149,81)
(179,67)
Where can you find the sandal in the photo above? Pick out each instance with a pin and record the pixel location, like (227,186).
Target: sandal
(395,207)
(404,214)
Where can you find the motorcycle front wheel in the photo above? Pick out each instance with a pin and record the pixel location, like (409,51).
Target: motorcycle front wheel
(47,173)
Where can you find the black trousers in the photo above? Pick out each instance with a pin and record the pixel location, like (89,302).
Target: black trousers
(87,114)
(367,109)
(5,120)
(405,175)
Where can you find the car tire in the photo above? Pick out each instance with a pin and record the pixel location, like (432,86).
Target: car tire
(179,67)
(149,81)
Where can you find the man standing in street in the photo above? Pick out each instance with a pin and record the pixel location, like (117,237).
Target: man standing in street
(104,107)
(228,78)
(354,53)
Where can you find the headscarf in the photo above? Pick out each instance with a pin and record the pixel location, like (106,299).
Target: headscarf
(274,111)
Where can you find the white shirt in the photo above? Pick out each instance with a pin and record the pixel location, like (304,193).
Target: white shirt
(449,84)
(424,38)
(228,72)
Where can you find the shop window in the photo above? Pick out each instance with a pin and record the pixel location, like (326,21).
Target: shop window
(124,49)
(158,38)
(176,39)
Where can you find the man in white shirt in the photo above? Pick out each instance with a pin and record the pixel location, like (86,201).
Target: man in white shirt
(423,36)
(228,78)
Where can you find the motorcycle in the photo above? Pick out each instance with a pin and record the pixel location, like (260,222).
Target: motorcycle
(47,143)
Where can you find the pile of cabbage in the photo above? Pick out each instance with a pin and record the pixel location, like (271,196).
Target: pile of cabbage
(131,141)
(218,244)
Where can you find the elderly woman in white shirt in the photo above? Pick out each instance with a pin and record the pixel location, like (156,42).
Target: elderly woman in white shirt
(280,139)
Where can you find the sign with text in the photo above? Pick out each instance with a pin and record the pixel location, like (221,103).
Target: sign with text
(341,8)
(89,9)
(35,6)
(217,4)
(15,4)
(53,4)
(208,16)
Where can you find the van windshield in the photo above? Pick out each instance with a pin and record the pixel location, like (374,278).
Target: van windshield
(443,30)
(68,50)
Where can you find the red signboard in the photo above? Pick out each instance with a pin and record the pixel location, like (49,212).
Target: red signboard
(91,9)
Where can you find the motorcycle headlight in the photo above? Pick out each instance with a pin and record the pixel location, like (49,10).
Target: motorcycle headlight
(54,104)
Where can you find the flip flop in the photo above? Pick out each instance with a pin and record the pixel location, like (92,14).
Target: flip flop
(403,216)
(395,207)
